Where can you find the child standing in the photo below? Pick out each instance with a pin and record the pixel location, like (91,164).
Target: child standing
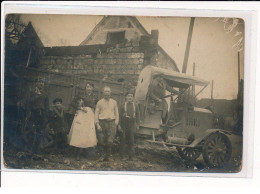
(58,124)
(129,122)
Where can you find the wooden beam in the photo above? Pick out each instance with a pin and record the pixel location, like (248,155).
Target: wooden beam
(187,51)
(212,87)
(29,57)
(193,87)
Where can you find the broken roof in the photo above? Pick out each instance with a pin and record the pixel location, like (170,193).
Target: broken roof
(134,21)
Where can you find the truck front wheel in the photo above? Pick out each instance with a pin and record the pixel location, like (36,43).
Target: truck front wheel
(217,150)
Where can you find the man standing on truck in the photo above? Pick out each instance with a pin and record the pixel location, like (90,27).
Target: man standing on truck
(158,89)
(106,120)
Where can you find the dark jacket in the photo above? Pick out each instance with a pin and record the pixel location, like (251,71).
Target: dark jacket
(158,89)
(37,103)
(37,106)
(57,121)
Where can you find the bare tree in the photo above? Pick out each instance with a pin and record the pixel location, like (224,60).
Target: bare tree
(14,27)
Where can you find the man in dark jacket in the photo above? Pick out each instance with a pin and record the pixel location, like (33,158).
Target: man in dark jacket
(37,109)
(58,124)
(129,123)
(157,92)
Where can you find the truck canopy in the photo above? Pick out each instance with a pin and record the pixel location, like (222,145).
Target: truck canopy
(173,78)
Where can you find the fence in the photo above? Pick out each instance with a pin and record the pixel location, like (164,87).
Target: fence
(66,86)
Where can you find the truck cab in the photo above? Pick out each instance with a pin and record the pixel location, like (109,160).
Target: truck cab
(185,118)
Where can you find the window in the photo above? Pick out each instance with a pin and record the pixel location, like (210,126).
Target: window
(115,37)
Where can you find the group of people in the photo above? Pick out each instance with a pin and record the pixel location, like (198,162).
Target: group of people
(95,122)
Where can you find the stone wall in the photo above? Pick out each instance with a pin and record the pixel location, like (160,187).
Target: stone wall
(117,62)
(121,59)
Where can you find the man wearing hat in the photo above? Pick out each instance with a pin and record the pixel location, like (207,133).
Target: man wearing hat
(37,108)
(58,124)
(129,123)
(158,91)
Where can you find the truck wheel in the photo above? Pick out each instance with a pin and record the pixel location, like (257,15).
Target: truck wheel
(188,153)
(217,150)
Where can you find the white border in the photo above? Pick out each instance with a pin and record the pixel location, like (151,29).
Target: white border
(203,9)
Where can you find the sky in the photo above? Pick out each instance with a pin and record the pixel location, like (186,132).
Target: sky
(212,47)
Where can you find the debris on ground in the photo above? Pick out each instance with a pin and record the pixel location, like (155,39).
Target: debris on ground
(149,157)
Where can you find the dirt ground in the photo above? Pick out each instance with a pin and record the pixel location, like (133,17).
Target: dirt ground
(149,158)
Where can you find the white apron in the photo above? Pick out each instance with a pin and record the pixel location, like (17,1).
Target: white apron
(82,133)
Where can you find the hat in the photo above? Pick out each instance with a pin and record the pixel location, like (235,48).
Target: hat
(57,100)
(131,91)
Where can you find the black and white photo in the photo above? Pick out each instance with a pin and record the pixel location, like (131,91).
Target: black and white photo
(123,93)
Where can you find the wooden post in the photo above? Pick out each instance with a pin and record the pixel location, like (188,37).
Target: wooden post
(29,58)
(193,87)
(193,73)
(212,86)
(187,51)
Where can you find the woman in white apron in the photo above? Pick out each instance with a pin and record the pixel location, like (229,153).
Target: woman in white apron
(82,133)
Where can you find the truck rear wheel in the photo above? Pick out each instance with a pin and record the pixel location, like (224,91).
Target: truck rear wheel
(188,153)
(217,150)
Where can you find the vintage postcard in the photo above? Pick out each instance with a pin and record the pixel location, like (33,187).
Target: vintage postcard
(123,93)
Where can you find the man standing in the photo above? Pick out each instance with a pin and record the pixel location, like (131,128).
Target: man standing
(106,120)
(58,125)
(129,123)
(37,113)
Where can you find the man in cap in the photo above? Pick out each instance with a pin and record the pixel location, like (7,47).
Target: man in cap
(37,108)
(129,123)
(58,125)
(158,89)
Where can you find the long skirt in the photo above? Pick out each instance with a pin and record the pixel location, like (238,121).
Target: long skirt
(82,133)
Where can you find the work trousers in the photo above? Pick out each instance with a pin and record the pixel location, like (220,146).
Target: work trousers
(127,137)
(60,140)
(39,123)
(107,135)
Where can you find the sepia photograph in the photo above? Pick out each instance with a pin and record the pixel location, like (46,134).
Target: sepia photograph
(123,93)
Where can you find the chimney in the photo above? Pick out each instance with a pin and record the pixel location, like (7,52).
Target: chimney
(149,46)
(154,37)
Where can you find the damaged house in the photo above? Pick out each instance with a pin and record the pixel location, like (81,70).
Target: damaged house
(113,54)
(117,48)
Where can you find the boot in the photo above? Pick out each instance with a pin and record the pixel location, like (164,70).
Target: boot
(101,153)
(108,153)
